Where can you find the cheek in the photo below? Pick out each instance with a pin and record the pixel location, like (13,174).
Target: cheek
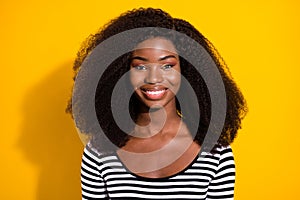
(136,79)
(174,79)
(174,82)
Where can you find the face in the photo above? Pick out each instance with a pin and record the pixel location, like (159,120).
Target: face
(155,73)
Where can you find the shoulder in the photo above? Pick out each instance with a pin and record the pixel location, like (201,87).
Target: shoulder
(220,156)
(219,151)
(222,151)
(225,151)
(91,154)
(226,159)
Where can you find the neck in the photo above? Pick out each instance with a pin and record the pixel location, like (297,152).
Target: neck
(156,121)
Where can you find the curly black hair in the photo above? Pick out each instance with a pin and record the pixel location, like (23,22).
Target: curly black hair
(150,17)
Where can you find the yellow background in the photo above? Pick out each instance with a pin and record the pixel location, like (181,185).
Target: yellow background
(40,148)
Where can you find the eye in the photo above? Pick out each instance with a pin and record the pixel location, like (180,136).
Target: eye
(140,67)
(167,66)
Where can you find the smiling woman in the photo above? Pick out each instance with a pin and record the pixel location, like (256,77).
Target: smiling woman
(155,76)
(161,155)
(155,72)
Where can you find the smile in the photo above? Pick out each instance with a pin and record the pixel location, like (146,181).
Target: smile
(154,94)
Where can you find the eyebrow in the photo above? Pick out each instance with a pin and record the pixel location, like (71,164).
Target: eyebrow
(160,59)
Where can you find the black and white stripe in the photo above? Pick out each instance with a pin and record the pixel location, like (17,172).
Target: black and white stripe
(209,177)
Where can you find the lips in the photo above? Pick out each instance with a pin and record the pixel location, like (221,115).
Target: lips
(154,93)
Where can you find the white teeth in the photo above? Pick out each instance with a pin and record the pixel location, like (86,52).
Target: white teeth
(155,92)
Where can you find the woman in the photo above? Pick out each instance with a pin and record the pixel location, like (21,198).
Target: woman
(161,155)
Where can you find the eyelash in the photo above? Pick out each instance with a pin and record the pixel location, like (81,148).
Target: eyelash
(167,66)
(140,67)
(164,67)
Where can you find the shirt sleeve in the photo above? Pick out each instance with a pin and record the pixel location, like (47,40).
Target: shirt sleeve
(222,185)
(92,183)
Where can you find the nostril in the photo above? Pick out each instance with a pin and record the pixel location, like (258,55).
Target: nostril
(154,76)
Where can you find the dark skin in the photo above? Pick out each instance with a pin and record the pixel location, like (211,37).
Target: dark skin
(161,141)
(236,107)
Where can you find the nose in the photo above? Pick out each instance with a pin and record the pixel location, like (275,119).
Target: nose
(154,75)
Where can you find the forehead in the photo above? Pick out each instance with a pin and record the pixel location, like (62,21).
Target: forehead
(156,43)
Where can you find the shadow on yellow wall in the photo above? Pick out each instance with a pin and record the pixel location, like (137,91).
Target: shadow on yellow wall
(49,138)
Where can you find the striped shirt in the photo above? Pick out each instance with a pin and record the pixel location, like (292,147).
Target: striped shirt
(211,176)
